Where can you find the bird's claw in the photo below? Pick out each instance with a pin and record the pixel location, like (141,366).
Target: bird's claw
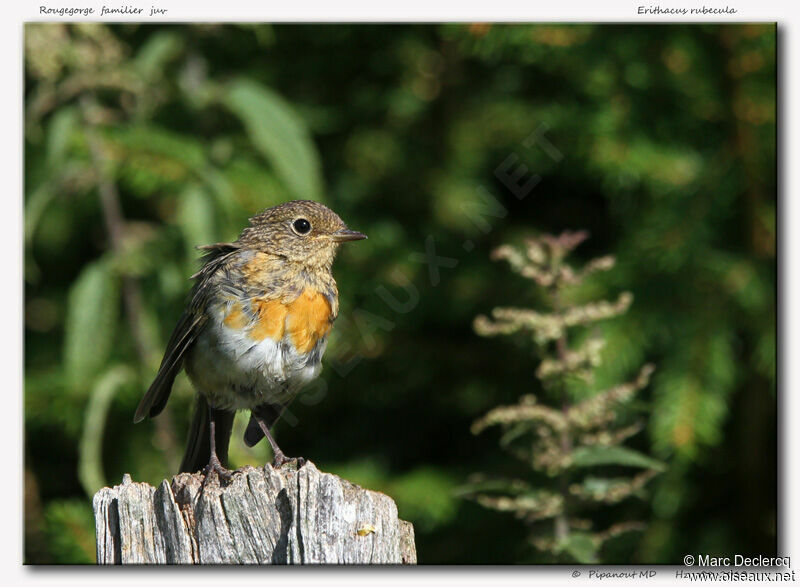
(214,466)
(281,459)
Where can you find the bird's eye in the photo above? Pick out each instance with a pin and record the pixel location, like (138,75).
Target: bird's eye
(301,226)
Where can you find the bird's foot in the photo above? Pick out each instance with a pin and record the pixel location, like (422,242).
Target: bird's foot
(281,459)
(215,467)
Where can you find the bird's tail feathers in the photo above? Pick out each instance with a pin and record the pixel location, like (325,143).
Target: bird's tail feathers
(198,444)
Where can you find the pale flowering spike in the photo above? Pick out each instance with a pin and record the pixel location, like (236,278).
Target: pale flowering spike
(556,440)
(541,277)
(483,326)
(599,409)
(605,263)
(581,359)
(568,240)
(612,437)
(538,505)
(505,415)
(514,257)
(595,311)
(613,491)
(564,243)
(535,251)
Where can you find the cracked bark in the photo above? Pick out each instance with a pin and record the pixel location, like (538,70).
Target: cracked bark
(264,516)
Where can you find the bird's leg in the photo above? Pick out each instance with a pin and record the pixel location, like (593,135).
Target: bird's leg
(214,465)
(280,458)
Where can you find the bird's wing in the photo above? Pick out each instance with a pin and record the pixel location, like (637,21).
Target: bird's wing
(186,331)
(183,336)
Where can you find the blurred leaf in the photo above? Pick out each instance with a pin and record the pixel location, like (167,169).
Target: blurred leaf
(91,320)
(90,451)
(224,194)
(591,456)
(146,139)
(196,219)
(35,205)
(600,485)
(279,134)
(157,51)
(581,547)
(152,158)
(63,125)
(517,431)
(612,490)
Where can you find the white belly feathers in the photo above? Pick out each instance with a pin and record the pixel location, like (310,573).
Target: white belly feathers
(234,371)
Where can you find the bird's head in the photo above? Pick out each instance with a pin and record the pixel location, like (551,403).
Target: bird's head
(301,231)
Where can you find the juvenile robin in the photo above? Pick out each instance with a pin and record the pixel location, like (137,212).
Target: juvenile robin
(255,328)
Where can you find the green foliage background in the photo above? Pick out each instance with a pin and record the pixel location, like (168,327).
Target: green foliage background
(667,139)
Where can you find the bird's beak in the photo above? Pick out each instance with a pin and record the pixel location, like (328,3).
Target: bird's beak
(345,234)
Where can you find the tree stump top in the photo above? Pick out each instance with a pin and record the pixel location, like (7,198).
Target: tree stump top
(263,516)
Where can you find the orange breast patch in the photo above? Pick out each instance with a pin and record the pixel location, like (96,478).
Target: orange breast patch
(270,320)
(235,318)
(305,320)
(309,319)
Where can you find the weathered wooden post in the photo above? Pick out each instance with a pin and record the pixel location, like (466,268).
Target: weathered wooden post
(264,516)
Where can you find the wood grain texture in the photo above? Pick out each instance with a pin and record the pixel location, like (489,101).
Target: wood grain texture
(264,516)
